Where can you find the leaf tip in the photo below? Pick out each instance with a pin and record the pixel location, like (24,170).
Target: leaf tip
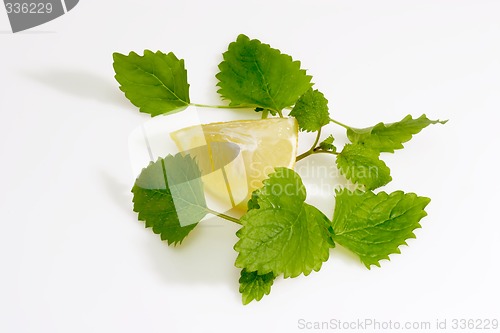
(117,56)
(242,37)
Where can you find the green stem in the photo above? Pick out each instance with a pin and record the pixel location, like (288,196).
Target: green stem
(280,113)
(340,124)
(303,155)
(320,151)
(221,106)
(265,114)
(310,151)
(317,139)
(224,216)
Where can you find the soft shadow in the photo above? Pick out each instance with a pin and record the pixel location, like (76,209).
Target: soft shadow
(117,190)
(81,84)
(205,256)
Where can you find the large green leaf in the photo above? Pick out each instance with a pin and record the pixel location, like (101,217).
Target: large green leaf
(169,197)
(255,75)
(156,82)
(389,137)
(281,233)
(374,225)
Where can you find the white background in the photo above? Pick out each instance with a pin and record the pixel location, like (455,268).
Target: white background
(74,258)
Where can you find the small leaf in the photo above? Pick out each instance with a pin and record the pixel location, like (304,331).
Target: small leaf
(327,144)
(311,111)
(156,82)
(389,137)
(374,225)
(255,75)
(169,197)
(254,286)
(363,166)
(282,234)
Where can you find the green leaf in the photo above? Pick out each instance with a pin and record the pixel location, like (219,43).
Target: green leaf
(156,82)
(363,166)
(255,75)
(169,197)
(374,225)
(311,111)
(281,233)
(254,286)
(327,144)
(388,137)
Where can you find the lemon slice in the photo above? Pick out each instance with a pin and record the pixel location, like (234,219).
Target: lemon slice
(232,171)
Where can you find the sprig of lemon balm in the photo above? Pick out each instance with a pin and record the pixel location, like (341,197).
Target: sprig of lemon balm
(280,234)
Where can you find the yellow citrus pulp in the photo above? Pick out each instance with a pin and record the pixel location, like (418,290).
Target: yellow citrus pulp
(239,155)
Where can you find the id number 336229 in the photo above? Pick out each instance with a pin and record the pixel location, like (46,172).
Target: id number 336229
(27,7)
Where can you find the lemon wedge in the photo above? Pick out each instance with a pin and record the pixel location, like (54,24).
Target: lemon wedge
(239,155)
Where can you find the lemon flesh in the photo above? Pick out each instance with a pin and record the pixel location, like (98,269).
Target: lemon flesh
(239,155)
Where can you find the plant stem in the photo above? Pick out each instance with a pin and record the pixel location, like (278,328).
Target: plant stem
(224,216)
(317,139)
(221,106)
(303,155)
(310,151)
(265,114)
(307,153)
(325,152)
(339,123)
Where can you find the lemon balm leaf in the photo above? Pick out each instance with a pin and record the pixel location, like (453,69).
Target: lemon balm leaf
(255,75)
(282,241)
(281,233)
(327,144)
(311,111)
(169,197)
(389,137)
(254,286)
(283,188)
(363,166)
(373,226)
(155,82)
